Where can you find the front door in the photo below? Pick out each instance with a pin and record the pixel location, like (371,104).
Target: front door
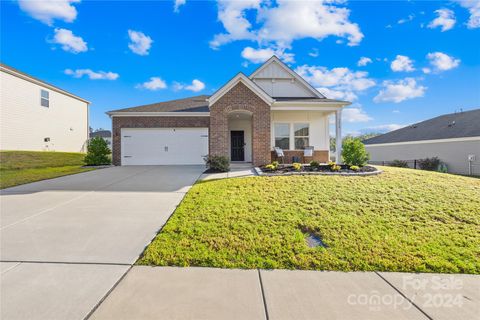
(237,143)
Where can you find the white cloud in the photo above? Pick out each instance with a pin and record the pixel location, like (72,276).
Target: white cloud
(473,7)
(92,75)
(386,127)
(177,4)
(196,86)
(399,91)
(442,62)
(313,53)
(340,83)
(140,43)
(445,20)
(49,10)
(154,84)
(69,41)
(364,61)
(402,63)
(355,114)
(262,55)
(426,70)
(396,111)
(407,19)
(284,21)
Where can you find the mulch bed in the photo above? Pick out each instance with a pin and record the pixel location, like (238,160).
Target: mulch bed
(322,169)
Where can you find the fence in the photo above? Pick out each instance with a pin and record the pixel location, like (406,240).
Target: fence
(473,166)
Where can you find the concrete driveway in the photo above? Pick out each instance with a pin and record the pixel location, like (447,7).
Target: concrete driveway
(65,242)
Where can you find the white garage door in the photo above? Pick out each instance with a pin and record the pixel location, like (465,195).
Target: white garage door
(161,146)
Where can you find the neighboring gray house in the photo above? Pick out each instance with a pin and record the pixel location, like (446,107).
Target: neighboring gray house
(105,134)
(453,138)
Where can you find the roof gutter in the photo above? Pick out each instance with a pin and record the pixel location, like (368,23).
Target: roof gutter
(158,114)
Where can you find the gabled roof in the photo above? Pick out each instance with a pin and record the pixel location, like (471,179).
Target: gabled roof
(191,104)
(275,59)
(240,77)
(27,77)
(101,133)
(449,126)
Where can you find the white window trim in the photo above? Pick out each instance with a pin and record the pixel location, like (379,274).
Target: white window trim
(42,98)
(292,133)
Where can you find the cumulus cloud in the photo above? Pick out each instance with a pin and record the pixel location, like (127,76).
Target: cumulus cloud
(337,83)
(139,42)
(364,61)
(92,75)
(177,4)
(473,7)
(386,127)
(196,86)
(262,55)
(47,11)
(399,91)
(407,19)
(445,19)
(442,62)
(355,114)
(284,21)
(313,53)
(402,63)
(68,41)
(153,84)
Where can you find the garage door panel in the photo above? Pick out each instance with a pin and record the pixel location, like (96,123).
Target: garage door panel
(164,146)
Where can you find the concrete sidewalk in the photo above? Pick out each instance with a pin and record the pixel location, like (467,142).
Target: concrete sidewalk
(208,293)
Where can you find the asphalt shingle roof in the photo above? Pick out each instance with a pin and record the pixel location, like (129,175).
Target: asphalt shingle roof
(101,133)
(192,104)
(454,125)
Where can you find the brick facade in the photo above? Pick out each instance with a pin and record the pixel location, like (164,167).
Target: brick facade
(150,122)
(240,98)
(320,156)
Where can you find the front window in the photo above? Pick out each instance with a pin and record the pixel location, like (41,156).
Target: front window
(282,135)
(44,98)
(301,135)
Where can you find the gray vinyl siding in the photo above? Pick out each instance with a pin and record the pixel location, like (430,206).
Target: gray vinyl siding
(454,153)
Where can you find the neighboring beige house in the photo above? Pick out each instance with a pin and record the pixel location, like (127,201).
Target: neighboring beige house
(38,116)
(244,120)
(453,138)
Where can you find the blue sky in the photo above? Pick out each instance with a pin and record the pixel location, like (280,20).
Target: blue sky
(420,58)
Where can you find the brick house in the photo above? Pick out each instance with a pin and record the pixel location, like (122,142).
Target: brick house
(244,120)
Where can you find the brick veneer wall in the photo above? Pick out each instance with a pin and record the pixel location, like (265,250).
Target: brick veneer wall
(150,122)
(240,97)
(318,155)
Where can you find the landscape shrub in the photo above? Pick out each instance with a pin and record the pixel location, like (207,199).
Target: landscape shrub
(399,164)
(314,164)
(354,153)
(335,167)
(354,168)
(430,164)
(97,152)
(297,166)
(217,163)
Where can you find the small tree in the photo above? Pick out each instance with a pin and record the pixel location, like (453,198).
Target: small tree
(97,152)
(354,153)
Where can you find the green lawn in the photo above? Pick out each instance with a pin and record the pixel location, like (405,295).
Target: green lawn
(19,167)
(401,220)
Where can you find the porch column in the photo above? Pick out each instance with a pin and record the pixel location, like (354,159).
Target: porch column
(338,136)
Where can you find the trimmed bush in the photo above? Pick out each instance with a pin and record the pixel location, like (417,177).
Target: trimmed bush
(297,166)
(97,152)
(399,164)
(430,164)
(314,164)
(217,163)
(354,168)
(354,153)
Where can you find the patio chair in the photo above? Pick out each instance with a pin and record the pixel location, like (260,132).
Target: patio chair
(279,153)
(307,154)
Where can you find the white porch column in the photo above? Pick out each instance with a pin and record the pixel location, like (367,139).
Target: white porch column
(338,136)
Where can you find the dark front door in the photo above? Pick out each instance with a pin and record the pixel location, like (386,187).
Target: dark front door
(237,143)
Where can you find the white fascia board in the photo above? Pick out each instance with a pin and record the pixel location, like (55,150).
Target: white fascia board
(233,82)
(159,114)
(290,71)
(41,83)
(306,108)
(424,141)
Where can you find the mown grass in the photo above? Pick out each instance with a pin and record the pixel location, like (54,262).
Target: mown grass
(20,167)
(401,220)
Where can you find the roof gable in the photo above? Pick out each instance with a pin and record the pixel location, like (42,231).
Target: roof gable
(240,77)
(279,80)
